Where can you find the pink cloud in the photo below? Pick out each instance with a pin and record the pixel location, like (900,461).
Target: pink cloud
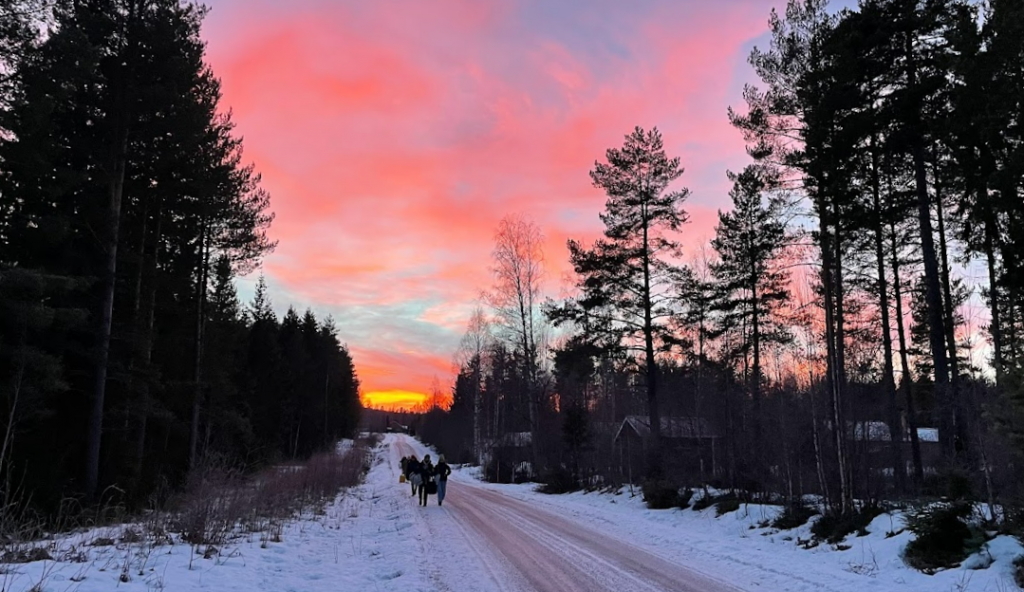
(394,136)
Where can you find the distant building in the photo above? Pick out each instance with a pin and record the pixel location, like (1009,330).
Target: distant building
(878,431)
(682,429)
(509,450)
(874,440)
(689,445)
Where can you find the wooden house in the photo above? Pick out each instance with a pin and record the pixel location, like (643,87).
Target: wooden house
(690,445)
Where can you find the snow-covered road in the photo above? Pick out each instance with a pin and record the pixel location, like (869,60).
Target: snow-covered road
(513,546)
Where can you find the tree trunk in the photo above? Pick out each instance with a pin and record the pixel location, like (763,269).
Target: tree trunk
(12,415)
(842,446)
(116,189)
(529,367)
(147,342)
(197,394)
(654,450)
(888,378)
(840,305)
(819,457)
(119,117)
(699,393)
(755,330)
(915,444)
(833,382)
(933,290)
(136,335)
(478,414)
(959,417)
(1011,329)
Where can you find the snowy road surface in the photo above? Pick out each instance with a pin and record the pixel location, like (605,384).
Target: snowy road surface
(522,548)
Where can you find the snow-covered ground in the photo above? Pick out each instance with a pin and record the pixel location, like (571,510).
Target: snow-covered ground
(736,549)
(506,537)
(739,550)
(364,541)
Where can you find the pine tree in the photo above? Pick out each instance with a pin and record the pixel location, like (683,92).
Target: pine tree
(749,240)
(792,125)
(1003,203)
(625,277)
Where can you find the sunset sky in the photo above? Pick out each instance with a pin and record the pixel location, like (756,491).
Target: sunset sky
(394,134)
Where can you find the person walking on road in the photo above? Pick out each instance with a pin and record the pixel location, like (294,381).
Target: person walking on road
(412,473)
(426,479)
(441,472)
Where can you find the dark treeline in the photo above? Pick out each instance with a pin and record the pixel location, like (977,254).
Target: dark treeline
(828,339)
(126,212)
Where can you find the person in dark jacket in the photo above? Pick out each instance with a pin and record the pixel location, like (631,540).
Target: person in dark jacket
(412,473)
(426,477)
(441,472)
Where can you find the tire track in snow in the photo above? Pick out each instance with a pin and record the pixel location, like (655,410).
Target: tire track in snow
(694,548)
(446,534)
(522,548)
(598,561)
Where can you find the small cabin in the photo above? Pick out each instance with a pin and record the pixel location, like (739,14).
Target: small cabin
(509,450)
(689,444)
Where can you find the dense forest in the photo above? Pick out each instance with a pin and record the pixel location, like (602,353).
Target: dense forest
(126,213)
(854,329)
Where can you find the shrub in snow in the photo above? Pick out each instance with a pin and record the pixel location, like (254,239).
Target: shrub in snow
(727,504)
(499,471)
(704,502)
(833,527)
(217,503)
(661,495)
(722,502)
(951,484)
(1018,571)
(559,480)
(26,555)
(944,537)
(793,516)
(683,501)
(1013,520)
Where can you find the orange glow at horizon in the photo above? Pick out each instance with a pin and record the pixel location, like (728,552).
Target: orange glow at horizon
(396,399)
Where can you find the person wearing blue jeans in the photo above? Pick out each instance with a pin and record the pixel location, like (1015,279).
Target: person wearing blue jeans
(441,471)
